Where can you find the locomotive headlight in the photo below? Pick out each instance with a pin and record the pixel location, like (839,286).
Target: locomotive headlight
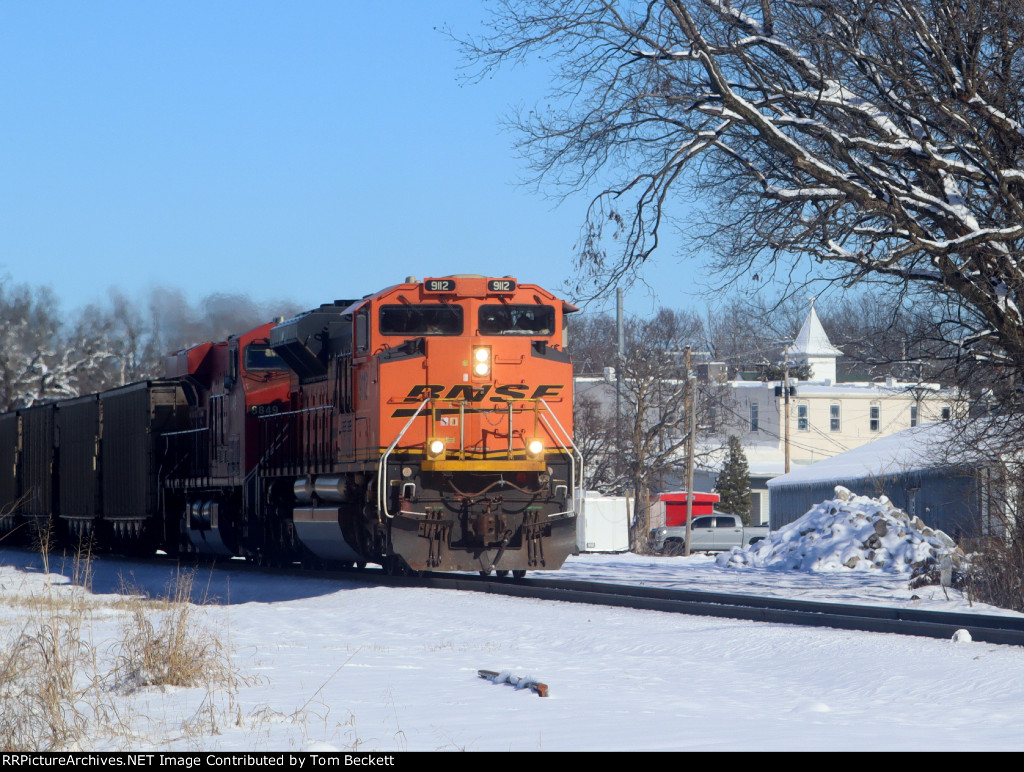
(481,361)
(435,448)
(535,448)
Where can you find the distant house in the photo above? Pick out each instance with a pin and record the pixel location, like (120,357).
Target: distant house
(825,417)
(949,490)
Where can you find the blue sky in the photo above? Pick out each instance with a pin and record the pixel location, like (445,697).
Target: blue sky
(302,150)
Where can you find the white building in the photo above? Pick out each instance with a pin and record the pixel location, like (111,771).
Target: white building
(825,417)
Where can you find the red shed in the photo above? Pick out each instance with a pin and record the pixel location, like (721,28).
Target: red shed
(675,506)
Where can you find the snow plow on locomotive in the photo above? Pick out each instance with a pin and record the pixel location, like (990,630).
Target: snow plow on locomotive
(427,426)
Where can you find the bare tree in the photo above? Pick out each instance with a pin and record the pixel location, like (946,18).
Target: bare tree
(40,359)
(595,433)
(594,342)
(881,138)
(879,338)
(642,447)
(750,332)
(128,339)
(45,355)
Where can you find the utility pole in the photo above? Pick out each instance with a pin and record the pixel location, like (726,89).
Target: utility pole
(620,354)
(785,387)
(691,420)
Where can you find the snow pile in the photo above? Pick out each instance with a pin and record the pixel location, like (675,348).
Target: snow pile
(853,532)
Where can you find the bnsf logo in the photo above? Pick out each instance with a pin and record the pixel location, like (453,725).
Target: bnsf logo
(501,394)
(424,391)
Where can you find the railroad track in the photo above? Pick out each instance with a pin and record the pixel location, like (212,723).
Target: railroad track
(878,619)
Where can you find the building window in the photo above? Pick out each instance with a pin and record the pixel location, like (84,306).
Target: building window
(802,422)
(876,419)
(833,418)
(946,413)
(913,415)
(753,417)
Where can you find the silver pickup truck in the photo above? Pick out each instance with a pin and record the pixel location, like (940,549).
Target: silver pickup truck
(710,533)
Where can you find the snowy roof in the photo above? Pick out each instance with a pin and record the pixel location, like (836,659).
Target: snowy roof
(851,388)
(870,389)
(922,447)
(812,341)
(766,468)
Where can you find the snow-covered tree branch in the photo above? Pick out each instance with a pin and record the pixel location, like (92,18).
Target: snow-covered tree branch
(45,355)
(883,139)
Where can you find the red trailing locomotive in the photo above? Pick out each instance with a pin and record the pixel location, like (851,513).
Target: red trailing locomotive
(427,426)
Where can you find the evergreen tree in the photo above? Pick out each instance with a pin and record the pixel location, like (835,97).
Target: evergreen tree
(734,483)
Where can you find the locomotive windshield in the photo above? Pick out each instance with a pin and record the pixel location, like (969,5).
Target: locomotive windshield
(260,356)
(433,319)
(517,320)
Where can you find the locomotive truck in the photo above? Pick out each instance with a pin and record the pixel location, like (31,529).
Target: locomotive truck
(427,426)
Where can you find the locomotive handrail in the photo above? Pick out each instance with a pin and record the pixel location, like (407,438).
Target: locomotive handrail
(274,445)
(185,431)
(297,412)
(509,403)
(567,445)
(383,464)
(267,420)
(574,454)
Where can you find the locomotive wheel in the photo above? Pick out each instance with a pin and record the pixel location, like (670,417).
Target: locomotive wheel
(502,573)
(518,573)
(485,573)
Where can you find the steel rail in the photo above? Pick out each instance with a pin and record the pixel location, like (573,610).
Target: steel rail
(881,619)
(983,628)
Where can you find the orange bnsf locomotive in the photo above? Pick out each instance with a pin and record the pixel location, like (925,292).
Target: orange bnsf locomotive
(427,426)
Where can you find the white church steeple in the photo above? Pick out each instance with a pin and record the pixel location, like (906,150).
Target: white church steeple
(813,348)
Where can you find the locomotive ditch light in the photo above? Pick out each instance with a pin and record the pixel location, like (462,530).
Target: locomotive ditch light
(535,449)
(435,448)
(481,361)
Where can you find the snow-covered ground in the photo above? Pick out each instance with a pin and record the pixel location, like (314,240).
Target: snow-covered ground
(336,665)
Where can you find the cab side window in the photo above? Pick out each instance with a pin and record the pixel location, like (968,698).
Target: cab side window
(362,330)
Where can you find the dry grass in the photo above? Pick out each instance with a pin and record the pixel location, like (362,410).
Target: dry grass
(58,692)
(998,575)
(47,692)
(162,644)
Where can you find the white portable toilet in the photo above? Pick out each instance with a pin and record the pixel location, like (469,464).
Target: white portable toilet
(603,523)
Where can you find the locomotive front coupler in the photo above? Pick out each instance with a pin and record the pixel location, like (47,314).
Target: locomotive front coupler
(482,523)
